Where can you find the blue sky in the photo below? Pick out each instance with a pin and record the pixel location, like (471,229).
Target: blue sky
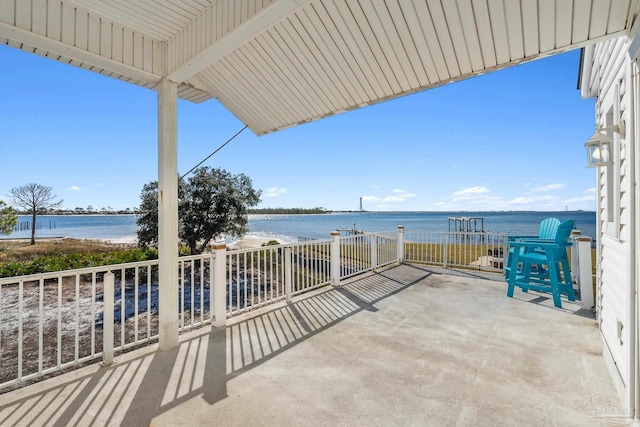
(508,140)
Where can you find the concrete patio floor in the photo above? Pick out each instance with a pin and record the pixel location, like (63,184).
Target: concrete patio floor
(407,346)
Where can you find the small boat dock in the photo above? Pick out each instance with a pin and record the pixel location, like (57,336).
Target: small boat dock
(466,224)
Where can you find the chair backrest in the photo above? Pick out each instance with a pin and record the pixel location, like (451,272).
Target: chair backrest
(563,233)
(548,228)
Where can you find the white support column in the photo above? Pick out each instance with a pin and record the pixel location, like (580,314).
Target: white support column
(219,285)
(401,244)
(335,258)
(168,213)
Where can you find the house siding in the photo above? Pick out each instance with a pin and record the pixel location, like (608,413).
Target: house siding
(610,80)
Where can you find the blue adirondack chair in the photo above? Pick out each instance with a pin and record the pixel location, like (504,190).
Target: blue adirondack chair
(547,231)
(556,278)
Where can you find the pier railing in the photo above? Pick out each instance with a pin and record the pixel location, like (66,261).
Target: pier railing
(53,321)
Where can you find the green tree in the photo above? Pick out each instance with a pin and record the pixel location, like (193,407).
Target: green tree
(8,218)
(34,198)
(211,203)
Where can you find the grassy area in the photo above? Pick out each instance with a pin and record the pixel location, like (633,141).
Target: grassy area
(18,257)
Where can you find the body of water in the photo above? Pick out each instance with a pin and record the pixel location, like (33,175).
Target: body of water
(122,228)
(109,227)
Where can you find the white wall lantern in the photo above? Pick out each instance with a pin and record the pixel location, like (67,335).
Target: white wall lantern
(599,150)
(600,146)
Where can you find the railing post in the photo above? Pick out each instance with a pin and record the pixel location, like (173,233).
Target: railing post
(288,274)
(335,258)
(574,259)
(374,251)
(107,319)
(400,244)
(219,286)
(445,248)
(581,254)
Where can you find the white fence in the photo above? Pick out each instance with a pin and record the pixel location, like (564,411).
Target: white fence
(52,321)
(56,320)
(464,250)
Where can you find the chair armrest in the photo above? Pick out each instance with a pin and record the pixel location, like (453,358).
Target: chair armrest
(536,244)
(518,237)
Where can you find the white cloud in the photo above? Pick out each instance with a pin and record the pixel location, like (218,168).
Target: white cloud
(470,193)
(591,198)
(275,192)
(392,199)
(398,196)
(75,188)
(591,190)
(549,187)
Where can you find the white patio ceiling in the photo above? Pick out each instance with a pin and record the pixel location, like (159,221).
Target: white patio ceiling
(277,63)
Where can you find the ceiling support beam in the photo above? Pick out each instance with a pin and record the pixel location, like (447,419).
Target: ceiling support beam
(168,213)
(243,33)
(61,49)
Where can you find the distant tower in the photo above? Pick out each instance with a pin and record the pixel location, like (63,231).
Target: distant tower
(361,204)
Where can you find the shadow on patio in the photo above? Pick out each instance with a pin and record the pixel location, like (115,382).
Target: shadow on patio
(405,346)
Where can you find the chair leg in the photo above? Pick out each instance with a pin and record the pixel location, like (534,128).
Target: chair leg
(511,279)
(568,284)
(555,284)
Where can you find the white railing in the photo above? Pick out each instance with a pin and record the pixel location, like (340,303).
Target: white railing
(384,248)
(463,250)
(254,278)
(53,321)
(355,255)
(60,316)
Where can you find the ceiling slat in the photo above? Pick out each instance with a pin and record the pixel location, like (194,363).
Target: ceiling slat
(255,105)
(513,15)
(311,24)
(260,64)
(39,17)
(436,34)
(311,54)
(396,47)
(287,71)
(547,24)
(444,39)
(382,39)
(234,101)
(485,34)
(420,42)
(599,18)
(530,27)
(459,44)
(23,15)
(499,31)
(350,30)
(346,59)
(617,16)
(305,70)
(564,10)
(581,21)
(470,34)
(376,49)
(406,39)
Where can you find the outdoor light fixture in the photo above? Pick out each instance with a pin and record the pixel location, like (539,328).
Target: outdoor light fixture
(600,146)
